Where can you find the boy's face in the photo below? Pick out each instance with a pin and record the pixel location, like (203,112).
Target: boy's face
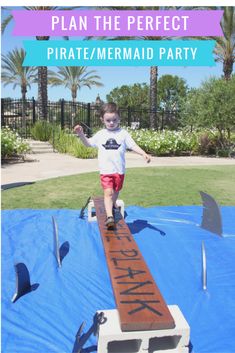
(111,121)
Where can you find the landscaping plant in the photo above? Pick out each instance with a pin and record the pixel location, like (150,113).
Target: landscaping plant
(11,144)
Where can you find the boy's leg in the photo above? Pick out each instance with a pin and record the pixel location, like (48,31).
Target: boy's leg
(115,197)
(111,185)
(119,179)
(108,201)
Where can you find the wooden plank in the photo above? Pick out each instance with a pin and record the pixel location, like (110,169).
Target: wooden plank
(139,301)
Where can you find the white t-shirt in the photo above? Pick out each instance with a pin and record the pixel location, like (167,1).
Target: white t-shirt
(112,146)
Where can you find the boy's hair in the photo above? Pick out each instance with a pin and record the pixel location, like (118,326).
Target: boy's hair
(109,108)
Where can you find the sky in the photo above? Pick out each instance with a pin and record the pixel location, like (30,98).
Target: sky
(111,77)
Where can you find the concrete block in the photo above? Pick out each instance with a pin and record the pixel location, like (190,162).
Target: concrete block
(92,213)
(112,340)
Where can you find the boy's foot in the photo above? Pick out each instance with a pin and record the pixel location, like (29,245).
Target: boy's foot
(110,222)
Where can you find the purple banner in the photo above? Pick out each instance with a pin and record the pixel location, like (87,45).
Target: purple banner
(137,23)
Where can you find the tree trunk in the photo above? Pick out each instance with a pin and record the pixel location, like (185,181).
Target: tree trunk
(153,96)
(42,87)
(227,68)
(42,92)
(73,112)
(23,117)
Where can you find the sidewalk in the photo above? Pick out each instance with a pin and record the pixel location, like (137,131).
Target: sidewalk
(51,165)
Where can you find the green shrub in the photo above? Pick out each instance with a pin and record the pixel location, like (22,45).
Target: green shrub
(62,140)
(166,142)
(12,144)
(210,143)
(68,143)
(223,152)
(157,143)
(42,131)
(176,143)
(207,143)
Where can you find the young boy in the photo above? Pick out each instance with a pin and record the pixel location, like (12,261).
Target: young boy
(112,143)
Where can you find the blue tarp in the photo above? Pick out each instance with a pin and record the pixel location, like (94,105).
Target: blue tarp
(47,319)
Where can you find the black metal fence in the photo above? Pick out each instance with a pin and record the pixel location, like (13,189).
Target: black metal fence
(67,114)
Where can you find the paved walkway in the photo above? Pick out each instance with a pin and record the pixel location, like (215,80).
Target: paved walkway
(51,165)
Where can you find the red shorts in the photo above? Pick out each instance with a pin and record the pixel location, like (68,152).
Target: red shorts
(112,181)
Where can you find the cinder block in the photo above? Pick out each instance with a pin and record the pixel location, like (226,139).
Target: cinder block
(92,213)
(112,340)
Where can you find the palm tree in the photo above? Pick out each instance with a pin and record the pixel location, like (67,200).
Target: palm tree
(74,78)
(153,69)
(14,73)
(153,96)
(42,70)
(225,46)
(153,74)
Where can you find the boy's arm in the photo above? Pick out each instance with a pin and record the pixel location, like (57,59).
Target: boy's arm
(79,131)
(139,150)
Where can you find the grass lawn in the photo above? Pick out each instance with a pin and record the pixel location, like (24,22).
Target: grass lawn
(143,187)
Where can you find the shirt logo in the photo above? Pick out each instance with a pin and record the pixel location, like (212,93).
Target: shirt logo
(111,144)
